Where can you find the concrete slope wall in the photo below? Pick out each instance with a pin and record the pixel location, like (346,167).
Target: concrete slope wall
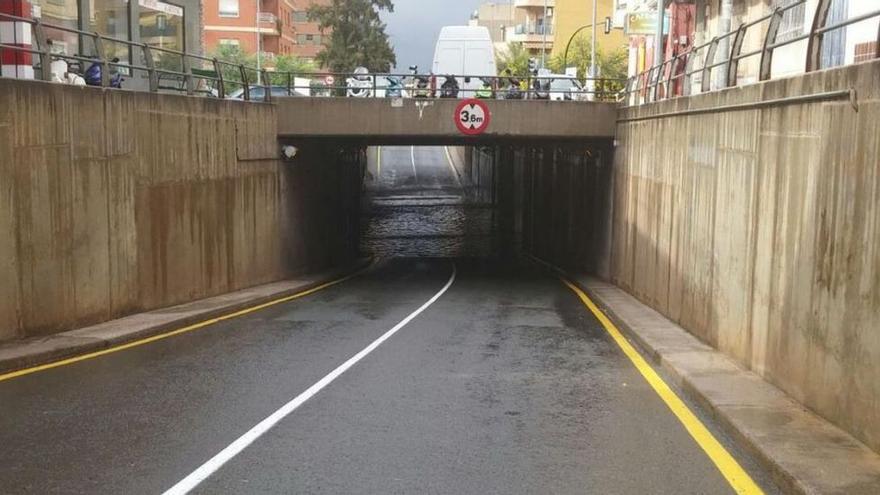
(113,202)
(759,231)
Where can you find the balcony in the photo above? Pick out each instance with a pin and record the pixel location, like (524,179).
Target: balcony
(529,33)
(526,4)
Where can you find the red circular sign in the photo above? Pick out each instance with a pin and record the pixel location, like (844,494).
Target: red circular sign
(472,117)
(329,80)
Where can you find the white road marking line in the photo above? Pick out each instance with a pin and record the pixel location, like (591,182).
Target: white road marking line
(451,166)
(195,478)
(412,152)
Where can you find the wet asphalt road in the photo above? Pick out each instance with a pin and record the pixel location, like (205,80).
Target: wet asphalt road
(506,384)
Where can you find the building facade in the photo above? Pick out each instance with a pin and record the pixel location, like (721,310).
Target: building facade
(573,16)
(283,27)
(172,25)
(696,22)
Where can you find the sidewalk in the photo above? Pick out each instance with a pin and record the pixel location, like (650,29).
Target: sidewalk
(803,452)
(20,354)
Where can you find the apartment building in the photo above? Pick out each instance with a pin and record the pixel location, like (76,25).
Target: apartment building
(281,28)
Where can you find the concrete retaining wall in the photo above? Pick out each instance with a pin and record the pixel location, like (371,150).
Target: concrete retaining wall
(759,231)
(113,202)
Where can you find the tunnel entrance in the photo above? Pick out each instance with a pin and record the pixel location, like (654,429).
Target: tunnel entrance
(427,201)
(495,201)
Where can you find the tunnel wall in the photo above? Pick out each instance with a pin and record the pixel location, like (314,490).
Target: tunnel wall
(759,232)
(113,202)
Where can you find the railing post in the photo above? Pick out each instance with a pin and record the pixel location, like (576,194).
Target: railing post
(688,68)
(732,60)
(670,81)
(769,41)
(267,86)
(244,81)
(707,66)
(877,53)
(45,55)
(289,89)
(814,46)
(221,89)
(658,80)
(105,67)
(152,75)
(188,75)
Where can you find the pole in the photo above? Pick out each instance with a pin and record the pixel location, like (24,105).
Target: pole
(593,48)
(724,25)
(259,48)
(544,41)
(658,34)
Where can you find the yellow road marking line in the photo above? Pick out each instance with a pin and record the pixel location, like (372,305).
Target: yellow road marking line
(451,166)
(190,328)
(738,478)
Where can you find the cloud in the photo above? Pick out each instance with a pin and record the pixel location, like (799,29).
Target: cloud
(415,25)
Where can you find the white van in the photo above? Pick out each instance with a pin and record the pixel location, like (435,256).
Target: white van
(464,51)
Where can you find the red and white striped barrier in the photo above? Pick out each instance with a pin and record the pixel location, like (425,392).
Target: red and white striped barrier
(16,63)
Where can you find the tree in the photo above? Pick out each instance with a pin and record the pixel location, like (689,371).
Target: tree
(611,65)
(515,59)
(357,35)
(276,67)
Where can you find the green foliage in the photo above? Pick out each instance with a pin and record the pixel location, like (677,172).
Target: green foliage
(357,35)
(515,59)
(290,63)
(611,65)
(278,67)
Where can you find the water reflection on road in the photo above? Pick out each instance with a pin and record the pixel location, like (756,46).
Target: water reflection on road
(415,206)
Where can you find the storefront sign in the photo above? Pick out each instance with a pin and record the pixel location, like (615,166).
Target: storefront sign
(165,8)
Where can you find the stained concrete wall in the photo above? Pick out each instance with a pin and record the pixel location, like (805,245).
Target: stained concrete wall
(377,121)
(759,231)
(113,202)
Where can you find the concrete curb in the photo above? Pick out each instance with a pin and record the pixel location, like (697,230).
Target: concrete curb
(18,355)
(804,453)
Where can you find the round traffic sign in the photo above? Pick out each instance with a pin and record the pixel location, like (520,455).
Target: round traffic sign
(472,117)
(329,80)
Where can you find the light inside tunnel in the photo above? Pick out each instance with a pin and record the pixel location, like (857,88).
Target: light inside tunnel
(432,201)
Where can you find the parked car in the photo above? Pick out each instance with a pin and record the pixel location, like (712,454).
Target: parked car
(259,93)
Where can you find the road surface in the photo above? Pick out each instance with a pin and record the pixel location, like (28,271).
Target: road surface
(459,375)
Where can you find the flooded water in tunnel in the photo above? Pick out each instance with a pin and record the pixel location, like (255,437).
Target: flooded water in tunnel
(416,204)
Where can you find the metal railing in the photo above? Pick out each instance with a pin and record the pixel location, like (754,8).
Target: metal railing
(207,76)
(673,77)
(543,87)
(190,73)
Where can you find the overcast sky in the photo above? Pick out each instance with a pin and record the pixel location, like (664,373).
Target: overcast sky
(415,24)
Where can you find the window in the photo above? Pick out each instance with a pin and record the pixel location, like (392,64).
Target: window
(62,13)
(161,26)
(228,8)
(301,39)
(230,42)
(301,16)
(792,24)
(110,18)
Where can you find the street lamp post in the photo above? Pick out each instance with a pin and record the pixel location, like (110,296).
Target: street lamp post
(593,48)
(259,42)
(544,41)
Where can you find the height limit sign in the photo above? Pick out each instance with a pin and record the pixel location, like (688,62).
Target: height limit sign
(472,117)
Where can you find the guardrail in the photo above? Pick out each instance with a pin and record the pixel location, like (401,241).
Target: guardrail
(673,77)
(199,75)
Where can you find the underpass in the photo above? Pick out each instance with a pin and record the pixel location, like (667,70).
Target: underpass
(715,333)
(504,383)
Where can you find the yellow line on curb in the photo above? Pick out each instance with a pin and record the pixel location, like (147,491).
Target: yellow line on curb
(738,478)
(190,328)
